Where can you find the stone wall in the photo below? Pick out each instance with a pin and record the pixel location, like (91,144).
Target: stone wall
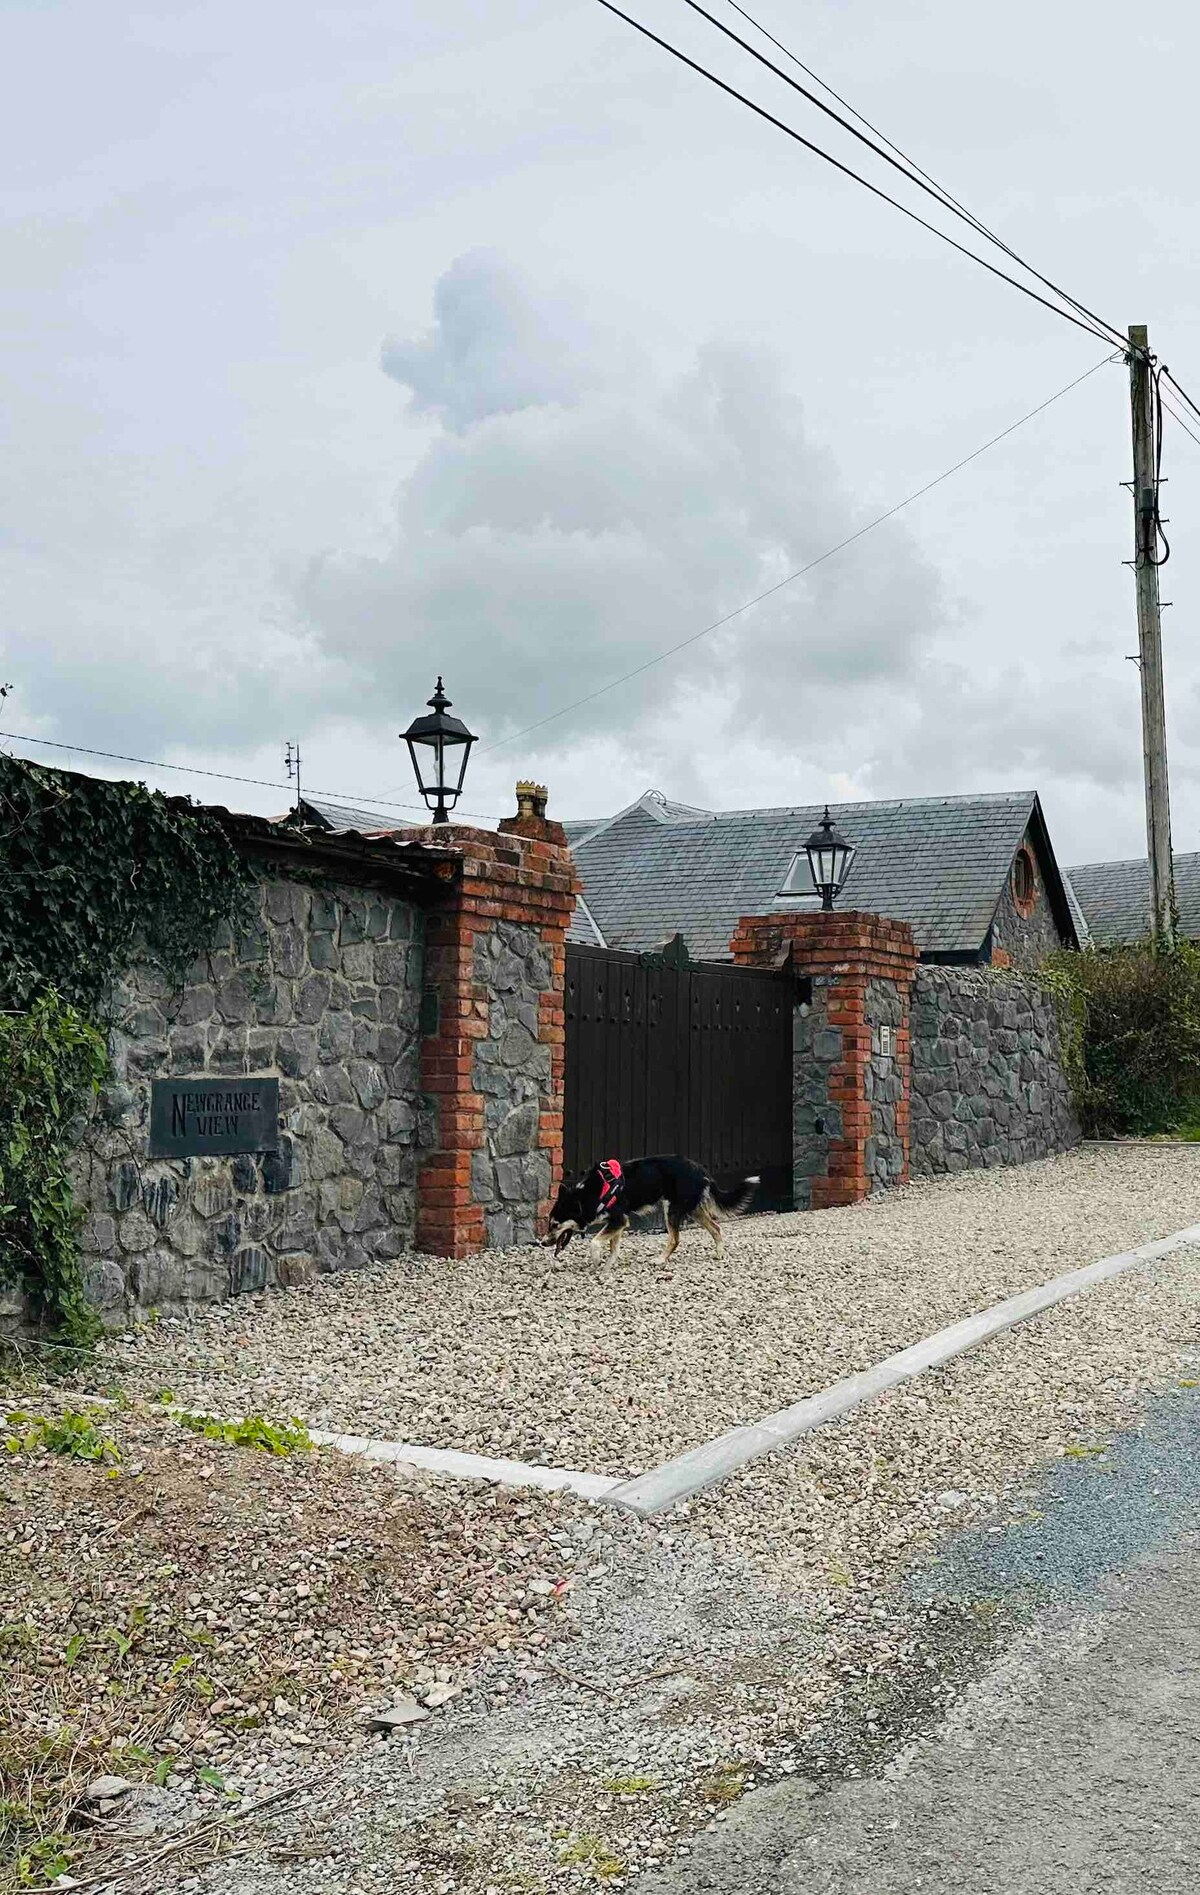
(326,996)
(988,1086)
(511,1070)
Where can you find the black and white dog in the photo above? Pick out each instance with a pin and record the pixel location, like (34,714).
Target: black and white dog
(614,1192)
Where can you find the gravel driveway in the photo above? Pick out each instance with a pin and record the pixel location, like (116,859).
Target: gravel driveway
(615,1367)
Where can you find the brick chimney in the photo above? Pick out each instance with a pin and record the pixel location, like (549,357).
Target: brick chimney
(530,819)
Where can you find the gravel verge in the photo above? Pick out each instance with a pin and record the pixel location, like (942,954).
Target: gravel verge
(204,1619)
(612,1368)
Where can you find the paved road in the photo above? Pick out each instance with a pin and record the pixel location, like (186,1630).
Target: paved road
(1073,1765)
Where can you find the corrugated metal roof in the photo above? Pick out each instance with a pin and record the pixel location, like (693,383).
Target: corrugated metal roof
(939,863)
(1115,898)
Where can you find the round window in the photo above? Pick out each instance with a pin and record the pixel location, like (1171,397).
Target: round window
(1024,881)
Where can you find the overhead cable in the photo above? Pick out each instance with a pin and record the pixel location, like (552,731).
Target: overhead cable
(345,797)
(876,190)
(902,163)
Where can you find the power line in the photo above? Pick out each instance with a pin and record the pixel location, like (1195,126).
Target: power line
(347,797)
(1174,412)
(906,168)
(1183,391)
(876,190)
(716,625)
(845,103)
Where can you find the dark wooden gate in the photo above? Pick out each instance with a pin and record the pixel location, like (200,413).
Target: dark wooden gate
(665,1055)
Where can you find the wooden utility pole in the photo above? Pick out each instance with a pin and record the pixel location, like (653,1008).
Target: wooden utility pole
(1145,567)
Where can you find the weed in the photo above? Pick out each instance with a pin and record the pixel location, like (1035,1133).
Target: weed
(630,1786)
(73,1433)
(594,1854)
(724,1783)
(49,1857)
(253,1431)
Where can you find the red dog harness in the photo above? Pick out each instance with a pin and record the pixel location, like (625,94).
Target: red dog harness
(610,1190)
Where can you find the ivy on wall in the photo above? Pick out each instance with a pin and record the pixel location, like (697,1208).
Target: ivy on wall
(94,876)
(51,1064)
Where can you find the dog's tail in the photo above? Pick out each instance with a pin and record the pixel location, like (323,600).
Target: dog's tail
(738,1198)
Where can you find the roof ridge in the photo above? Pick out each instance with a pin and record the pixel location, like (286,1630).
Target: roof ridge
(882,802)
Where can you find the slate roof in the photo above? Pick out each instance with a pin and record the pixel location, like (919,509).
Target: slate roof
(940,863)
(344,819)
(1115,897)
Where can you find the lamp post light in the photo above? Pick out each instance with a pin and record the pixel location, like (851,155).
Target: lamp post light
(439,747)
(829,858)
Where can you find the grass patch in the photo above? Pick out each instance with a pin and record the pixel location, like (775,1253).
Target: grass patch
(723,1784)
(595,1855)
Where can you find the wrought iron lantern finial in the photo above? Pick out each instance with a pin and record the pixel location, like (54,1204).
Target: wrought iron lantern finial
(439,747)
(829,858)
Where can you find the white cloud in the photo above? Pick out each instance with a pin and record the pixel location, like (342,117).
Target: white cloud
(575,513)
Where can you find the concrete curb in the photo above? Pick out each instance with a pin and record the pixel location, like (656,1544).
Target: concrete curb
(470,1466)
(715,1460)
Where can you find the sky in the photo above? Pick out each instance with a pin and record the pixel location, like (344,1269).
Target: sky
(347,345)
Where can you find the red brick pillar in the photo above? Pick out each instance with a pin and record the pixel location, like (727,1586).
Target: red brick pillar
(492,1051)
(853,1058)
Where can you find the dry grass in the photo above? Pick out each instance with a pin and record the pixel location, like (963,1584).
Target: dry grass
(177,1605)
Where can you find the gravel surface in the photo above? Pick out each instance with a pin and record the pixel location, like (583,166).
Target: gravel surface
(616,1367)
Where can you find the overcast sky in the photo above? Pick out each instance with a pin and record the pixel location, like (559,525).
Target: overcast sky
(355,342)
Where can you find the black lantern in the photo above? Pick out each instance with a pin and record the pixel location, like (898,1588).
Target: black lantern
(439,747)
(829,858)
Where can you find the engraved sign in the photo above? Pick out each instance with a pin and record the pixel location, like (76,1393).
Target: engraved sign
(207,1118)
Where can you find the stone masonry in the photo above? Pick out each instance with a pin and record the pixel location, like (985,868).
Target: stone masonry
(1024,931)
(988,1086)
(512,1071)
(886,1084)
(325,995)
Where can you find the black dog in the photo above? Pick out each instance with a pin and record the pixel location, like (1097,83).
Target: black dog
(615,1192)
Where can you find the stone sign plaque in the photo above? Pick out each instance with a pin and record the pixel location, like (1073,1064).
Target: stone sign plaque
(208,1118)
